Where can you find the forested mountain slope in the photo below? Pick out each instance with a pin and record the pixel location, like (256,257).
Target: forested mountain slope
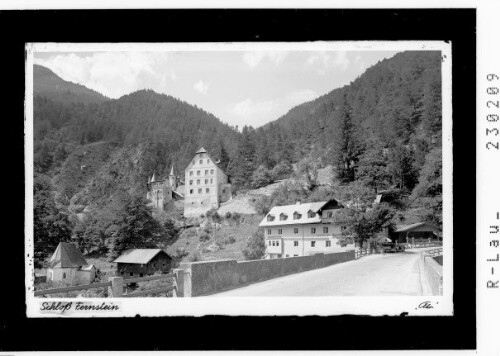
(92,154)
(48,84)
(398,100)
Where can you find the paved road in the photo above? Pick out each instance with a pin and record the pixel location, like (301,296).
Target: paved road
(395,274)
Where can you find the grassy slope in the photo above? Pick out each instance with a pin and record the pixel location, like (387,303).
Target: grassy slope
(189,239)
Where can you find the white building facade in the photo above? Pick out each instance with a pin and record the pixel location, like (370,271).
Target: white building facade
(206,185)
(302,230)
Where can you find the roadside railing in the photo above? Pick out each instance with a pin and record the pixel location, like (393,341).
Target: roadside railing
(116,286)
(423,244)
(433,270)
(434,252)
(363,252)
(71,288)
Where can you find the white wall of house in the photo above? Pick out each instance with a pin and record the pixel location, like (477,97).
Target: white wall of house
(85,277)
(203,180)
(302,240)
(70,275)
(61,274)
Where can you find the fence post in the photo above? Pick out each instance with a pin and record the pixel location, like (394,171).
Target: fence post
(179,283)
(187,283)
(116,287)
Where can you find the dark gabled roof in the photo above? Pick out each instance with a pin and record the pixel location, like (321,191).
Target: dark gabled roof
(67,255)
(139,255)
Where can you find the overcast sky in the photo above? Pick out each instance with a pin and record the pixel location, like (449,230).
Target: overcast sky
(239,87)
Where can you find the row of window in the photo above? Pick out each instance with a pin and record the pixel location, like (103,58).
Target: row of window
(200,191)
(201,161)
(296,230)
(198,181)
(296,216)
(198,173)
(296,243)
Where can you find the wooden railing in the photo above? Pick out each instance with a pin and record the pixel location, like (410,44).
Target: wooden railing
(423,244)
(434,252)
(143,279)
(362,252)
(116,285)
(72,288)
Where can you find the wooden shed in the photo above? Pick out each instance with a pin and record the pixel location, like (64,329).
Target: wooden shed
(142,262)
(414,232)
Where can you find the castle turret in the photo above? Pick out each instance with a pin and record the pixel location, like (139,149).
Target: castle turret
(171,179)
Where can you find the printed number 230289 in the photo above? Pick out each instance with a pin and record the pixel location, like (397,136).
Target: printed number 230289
(494,105)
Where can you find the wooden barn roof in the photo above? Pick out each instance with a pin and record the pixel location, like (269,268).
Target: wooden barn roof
(139,255)
(67,255)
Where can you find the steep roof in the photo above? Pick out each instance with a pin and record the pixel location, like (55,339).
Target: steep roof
(67,255)
(139,255)
(180,189)
(289,210)
(404,228)
(172,171)
(202,150)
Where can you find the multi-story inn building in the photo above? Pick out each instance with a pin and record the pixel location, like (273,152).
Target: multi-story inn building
(302,229)
(206,185)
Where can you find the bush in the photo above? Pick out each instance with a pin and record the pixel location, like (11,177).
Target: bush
(229,240)
(281,170)
(188,233)
(216,218)
(262,204)
(256,247)
(228,215)
(204,237)
(261,177)
(195,256)
(180,253)
(236,217)
(211,213)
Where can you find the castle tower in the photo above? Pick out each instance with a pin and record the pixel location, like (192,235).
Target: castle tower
(172,179)
(159,192)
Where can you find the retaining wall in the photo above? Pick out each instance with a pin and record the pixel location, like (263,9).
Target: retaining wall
(208,277)
(434,274)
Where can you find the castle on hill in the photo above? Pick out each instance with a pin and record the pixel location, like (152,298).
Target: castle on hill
(162,191)
(206,186)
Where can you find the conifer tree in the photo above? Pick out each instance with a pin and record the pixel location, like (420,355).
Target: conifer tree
(242,164)
(347,148)
(137,228)
(224,157)
(50,225)
(372,169)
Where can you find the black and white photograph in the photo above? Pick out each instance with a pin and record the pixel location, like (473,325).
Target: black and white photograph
(185,173)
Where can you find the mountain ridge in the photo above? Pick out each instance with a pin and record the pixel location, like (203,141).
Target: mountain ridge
(49,84)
